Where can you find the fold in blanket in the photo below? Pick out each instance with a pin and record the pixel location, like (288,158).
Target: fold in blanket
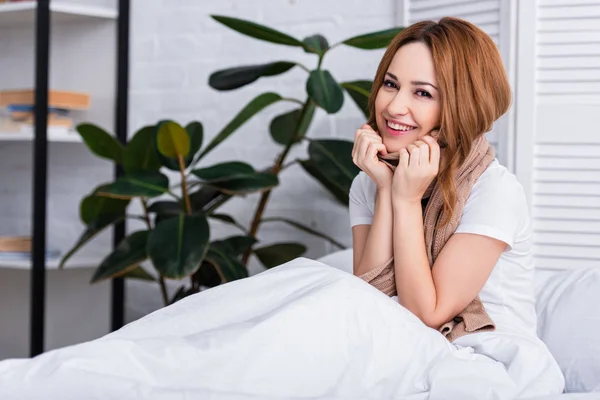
(473,318)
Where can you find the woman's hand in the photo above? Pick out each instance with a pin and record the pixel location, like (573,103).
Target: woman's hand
(418,166)
(367,144)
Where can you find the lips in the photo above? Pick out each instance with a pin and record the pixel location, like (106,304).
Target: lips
(397,128)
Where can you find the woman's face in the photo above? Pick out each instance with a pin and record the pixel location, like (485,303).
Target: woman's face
(407,106)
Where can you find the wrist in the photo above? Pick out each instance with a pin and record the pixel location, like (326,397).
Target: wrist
(404,203)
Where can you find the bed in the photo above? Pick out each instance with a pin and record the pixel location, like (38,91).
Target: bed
(568,308)
(341,340)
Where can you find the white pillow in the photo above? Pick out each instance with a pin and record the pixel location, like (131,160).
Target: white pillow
(568,308)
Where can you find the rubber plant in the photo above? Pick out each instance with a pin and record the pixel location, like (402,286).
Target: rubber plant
(328,160)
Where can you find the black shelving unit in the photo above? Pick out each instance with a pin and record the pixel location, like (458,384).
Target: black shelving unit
(40,168)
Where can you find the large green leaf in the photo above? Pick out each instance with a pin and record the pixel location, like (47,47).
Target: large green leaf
(130,252)
(359,91)
(100,142)
(140,274)
(257,31)
(292,125)
(336,188)
(252,108)
(92,206)
(229,267)
(333,159)
(325,91)
(236,178)
(172,140)
(234,245)
(316,44)
(93,228)
(178,245)
(233,78)
(374,40)
(138,184)
(304,228)
(165,209)
(228,220)
(203,198)
(139,154)
(279,253)
(195,133)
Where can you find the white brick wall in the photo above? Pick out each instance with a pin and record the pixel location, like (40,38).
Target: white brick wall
(175,46)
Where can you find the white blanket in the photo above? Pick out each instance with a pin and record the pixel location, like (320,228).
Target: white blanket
(302,330)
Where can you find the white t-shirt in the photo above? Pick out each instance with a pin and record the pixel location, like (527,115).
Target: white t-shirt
(497,208)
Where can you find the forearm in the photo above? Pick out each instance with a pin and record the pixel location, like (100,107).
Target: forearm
(378,246)
(414,281)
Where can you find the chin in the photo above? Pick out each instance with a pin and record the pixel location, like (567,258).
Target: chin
(394,144)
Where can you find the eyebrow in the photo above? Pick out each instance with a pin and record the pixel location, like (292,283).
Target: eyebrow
(415,83)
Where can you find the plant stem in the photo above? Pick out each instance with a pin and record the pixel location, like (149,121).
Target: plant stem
(161,280)
(264,198)
(293,100)
(184,190)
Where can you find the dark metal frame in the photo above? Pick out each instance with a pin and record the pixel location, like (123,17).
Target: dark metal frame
(40,161)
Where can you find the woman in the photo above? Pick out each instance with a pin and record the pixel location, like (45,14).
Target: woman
(306,331)
(438,89)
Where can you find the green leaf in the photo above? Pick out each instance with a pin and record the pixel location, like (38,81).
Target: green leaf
(172,140)
(374,40)
(227,219)
(195,131)
(291,125)
(316,44)
(139,273)
(138,184)
(279,253)
(257,31)
(93,228)
(100,142)
(229,268)
(203,198)
(178,245)
(335,188)
(333,160)
(360,91)
(252,108)
(165,209)
(126,257)
(236,178)
(234,245)
(139,154)
(233,78)
(325,91)
(306,229)
(92,206)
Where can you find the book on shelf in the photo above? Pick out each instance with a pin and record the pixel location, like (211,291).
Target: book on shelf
(62,99)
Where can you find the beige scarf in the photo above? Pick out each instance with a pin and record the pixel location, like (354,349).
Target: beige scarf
(474,317)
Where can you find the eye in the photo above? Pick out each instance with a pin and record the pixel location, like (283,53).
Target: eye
(423,93)
(390,84)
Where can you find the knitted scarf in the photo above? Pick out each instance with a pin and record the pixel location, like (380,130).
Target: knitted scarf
(473,318)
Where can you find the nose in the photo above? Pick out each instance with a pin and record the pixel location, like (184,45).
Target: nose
(400,104)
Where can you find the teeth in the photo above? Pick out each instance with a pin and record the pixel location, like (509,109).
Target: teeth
(399,127)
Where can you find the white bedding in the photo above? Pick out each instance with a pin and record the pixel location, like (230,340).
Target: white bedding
(302,330)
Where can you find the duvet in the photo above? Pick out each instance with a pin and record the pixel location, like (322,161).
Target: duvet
(302,330)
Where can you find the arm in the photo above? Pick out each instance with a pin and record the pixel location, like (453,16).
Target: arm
(437,294)
(372,244)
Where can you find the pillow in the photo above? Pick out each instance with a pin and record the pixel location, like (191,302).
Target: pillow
(568,308)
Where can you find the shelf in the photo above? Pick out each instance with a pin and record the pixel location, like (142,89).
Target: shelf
(51,263)
(58,136)
(23,13)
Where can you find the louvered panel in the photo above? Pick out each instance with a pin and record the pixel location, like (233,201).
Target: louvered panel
(570,63)
(561,12)
(571,75)
(551,3)
(567,213)
(559,263)
(554,200)
(580,252)
(571,148)
(569,49)
(562,238)
(551,163)
(567,25)
(569,37)
(581,227)
(567,188)
(568,176)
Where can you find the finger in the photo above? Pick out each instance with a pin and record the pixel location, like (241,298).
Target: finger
(404,158)
(434,151)
(423,152)
(414,152)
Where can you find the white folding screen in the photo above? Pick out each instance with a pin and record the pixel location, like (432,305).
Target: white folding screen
(565,154)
